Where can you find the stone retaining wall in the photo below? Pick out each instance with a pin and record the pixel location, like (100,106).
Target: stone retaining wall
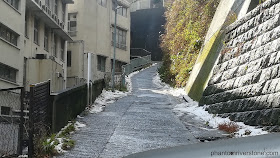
(245,85)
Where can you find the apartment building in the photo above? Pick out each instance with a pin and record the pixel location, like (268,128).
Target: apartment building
(11,40)
(33,42)
(146,4)
(91,26)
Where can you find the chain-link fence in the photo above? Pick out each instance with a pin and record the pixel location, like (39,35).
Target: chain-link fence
(39,116)
(11,121)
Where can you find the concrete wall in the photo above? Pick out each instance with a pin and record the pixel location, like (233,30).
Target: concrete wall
(43,70)
(146,27)
(138,5)
(212,45)
(245,82)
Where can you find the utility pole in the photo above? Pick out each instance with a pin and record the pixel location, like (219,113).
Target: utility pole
(116,7)
(115,41)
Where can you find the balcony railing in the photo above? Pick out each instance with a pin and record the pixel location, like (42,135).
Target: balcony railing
(44,13)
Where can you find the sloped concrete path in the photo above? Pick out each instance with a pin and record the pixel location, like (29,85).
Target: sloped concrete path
(141,121)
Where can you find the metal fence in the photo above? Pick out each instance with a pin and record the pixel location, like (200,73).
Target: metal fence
(11,121)
(136,64)
(66,105)
(39,114)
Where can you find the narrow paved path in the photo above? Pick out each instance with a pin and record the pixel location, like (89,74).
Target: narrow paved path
(141,121)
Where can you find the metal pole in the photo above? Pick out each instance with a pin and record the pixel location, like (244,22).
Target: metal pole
(115,40)
(31,123)
(20,139)
(88,78)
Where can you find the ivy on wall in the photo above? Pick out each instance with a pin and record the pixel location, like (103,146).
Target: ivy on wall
(185,29)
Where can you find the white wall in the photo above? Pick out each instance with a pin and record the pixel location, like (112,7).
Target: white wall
(94,27)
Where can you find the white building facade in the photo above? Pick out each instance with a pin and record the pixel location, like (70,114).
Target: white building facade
(91,25)
(33,42)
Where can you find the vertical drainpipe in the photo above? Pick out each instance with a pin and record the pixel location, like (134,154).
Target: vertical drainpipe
(65,65)
(89,77)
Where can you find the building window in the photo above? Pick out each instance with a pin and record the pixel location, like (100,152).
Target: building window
(47,3)
(102,2)
(122,11)
(36,31)
(114,6)
(72,24)
(46,39)
(55,46)
(63,12)
(8,35)
(118,65)
(26,25)
(69,58)
(120,38)
(62,49)
(55,7)
(101,63)
(8,73)
(5,110)
(14,3)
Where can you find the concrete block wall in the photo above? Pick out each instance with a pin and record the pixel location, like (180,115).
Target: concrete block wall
(245,85)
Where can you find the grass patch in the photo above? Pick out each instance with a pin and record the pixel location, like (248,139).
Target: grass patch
(229,127)
(67,131)
(68,144)
(47,145)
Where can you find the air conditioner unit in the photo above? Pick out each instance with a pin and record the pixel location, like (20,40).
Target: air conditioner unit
(41,56)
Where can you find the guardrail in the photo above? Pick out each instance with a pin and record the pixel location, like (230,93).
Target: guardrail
(136,64)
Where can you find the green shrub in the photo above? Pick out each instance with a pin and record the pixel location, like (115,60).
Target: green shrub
(68,144)
(185,29)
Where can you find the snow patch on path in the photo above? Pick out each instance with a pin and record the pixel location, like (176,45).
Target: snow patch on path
(166,89)
(200,113)
(106,97)
(79,125)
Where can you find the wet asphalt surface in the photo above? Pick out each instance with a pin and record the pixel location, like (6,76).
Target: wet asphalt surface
(141,121)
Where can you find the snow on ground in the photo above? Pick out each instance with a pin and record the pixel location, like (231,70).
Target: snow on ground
(79,125)
(61,139)
(106,97)
(58,147)
(109,97)
(200,112)
(166,89)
